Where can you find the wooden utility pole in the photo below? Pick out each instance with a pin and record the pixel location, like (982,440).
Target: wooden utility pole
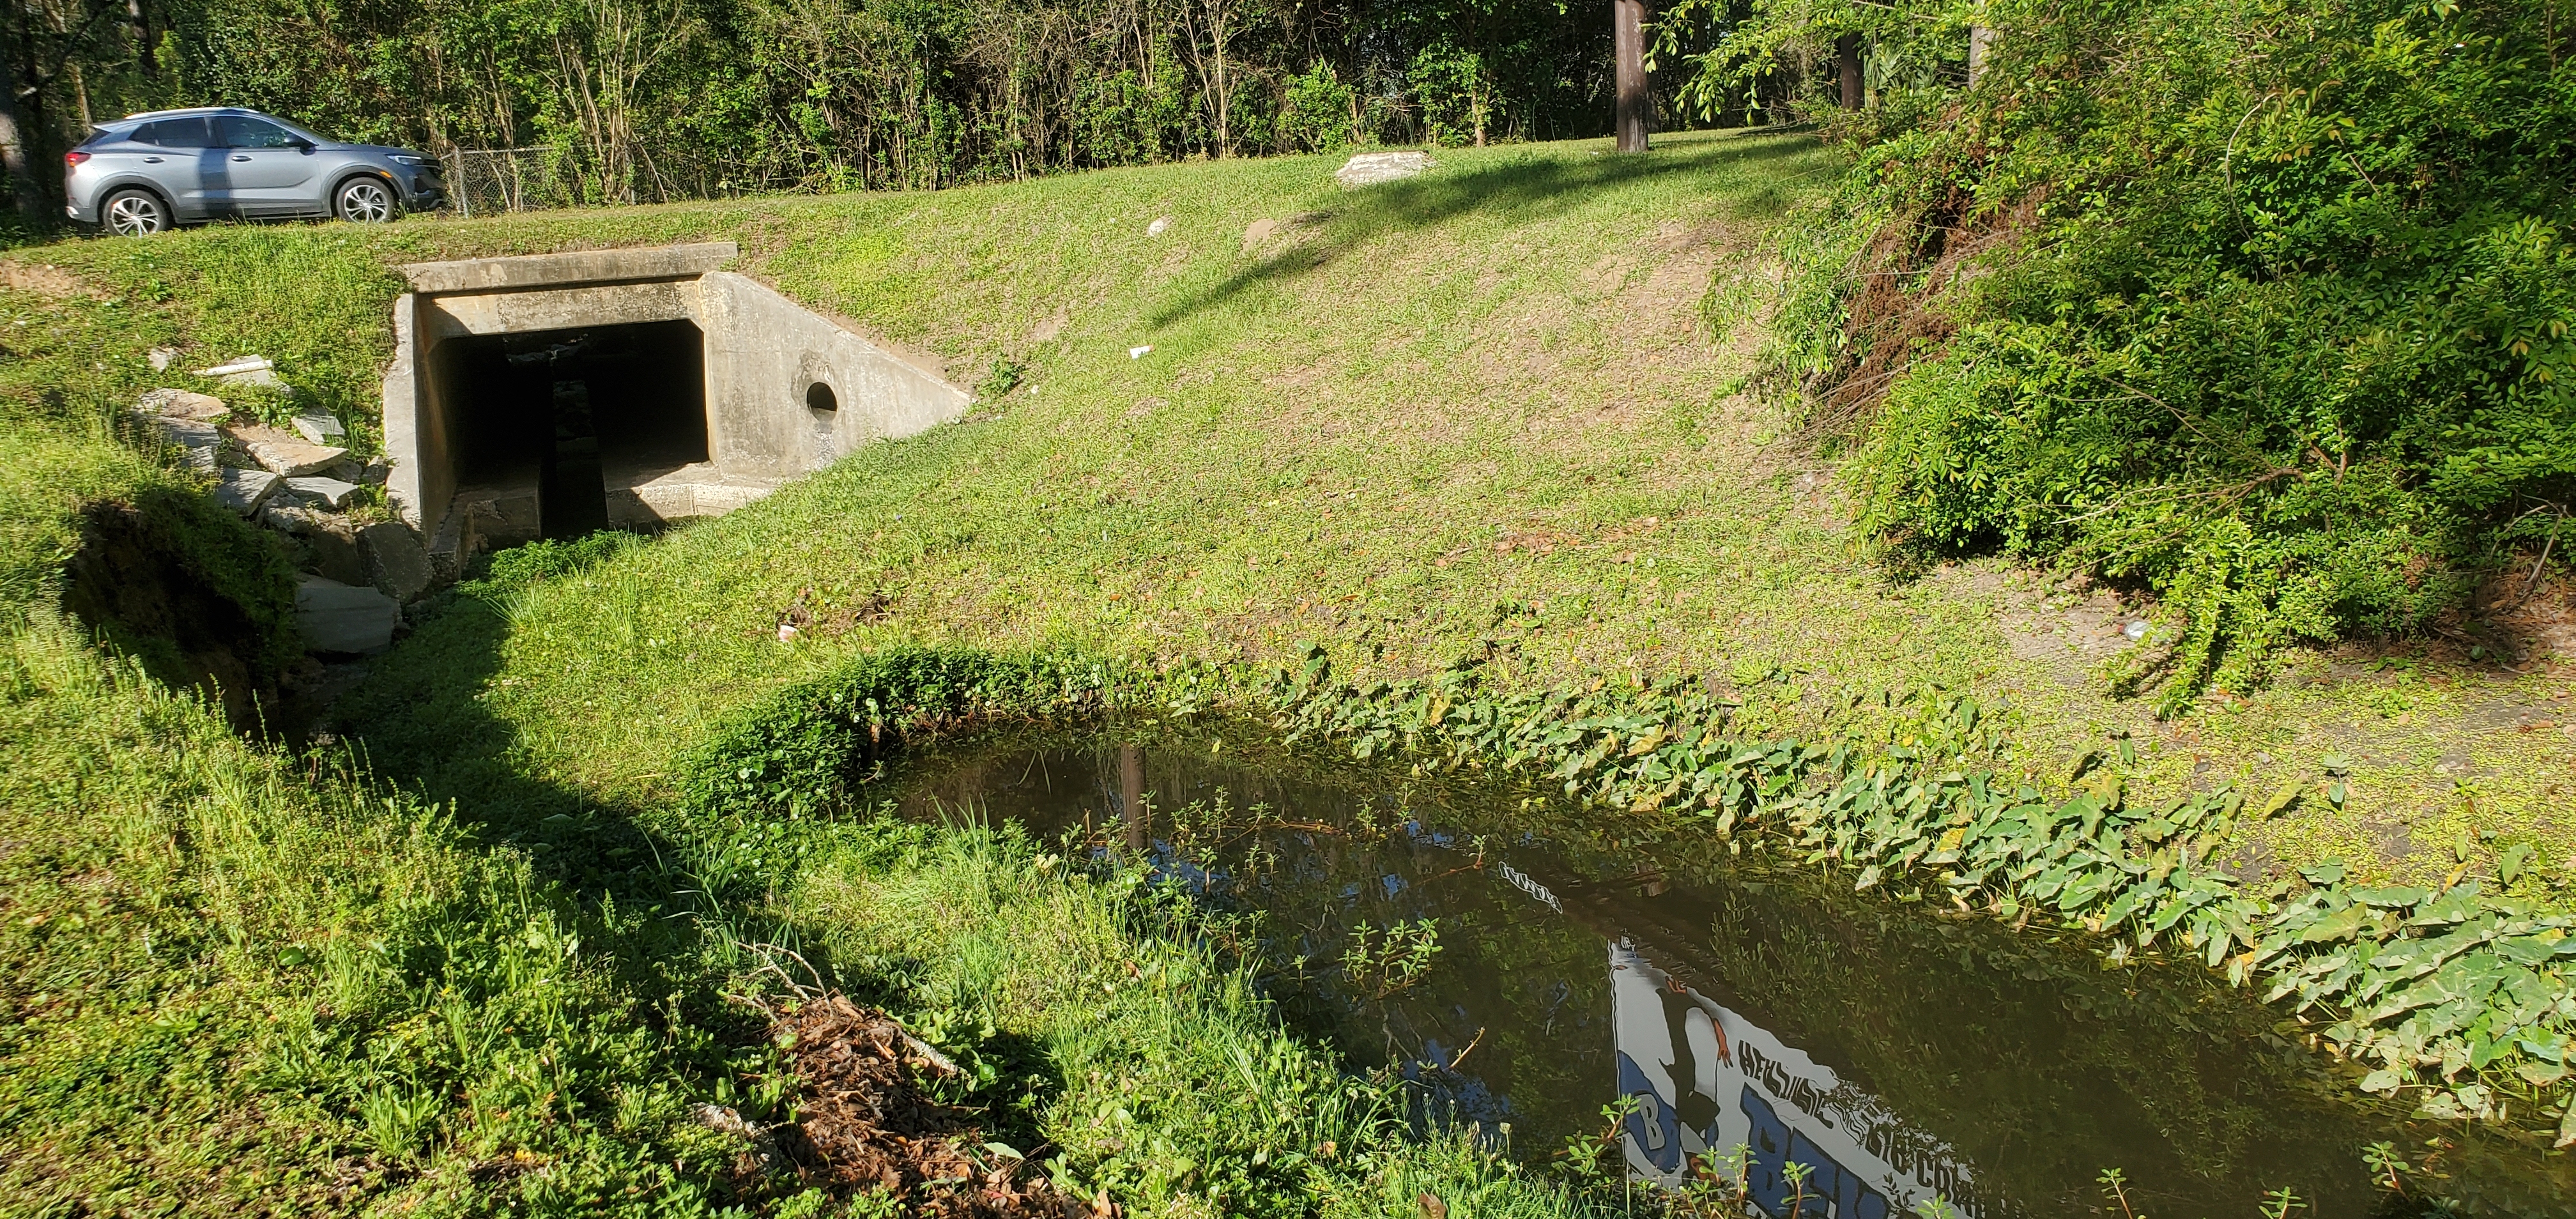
(1628,40)
(1847,57)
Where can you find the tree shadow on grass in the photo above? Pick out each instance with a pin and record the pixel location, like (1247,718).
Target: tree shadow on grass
(1521,190)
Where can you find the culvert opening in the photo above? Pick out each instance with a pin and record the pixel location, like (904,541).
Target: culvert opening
(565,416)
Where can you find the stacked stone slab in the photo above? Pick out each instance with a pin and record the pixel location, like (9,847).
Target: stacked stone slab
(358,574)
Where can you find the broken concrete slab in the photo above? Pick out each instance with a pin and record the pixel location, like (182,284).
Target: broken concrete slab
(338,618)
(337,556)
(279,453)
(201,444)
(325,544)
(259,378)
(183,404)
(397,563)
(160,358)
(244,491)
(318,427)
(328,492)
(1371,168)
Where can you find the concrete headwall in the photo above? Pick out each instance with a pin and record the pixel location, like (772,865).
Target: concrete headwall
(763,356)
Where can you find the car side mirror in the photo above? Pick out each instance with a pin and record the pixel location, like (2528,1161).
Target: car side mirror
(303,145)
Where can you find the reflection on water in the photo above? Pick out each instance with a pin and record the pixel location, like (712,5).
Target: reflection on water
(1893,1053)
(1700,1078)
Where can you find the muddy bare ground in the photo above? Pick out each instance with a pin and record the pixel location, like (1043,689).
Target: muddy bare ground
(866,1124)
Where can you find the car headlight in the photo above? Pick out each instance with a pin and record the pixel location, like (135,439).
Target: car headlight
(405,159)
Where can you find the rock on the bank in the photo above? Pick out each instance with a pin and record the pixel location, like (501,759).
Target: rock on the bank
(1371,168)
(319,427)
(328,492)
(336,617)
(244,491)
(396,561)
(281,453)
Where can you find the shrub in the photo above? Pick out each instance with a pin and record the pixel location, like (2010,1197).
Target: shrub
(2264,309)
(797,751)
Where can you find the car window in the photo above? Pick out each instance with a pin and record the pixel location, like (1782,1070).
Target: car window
(242,132)
(174,133)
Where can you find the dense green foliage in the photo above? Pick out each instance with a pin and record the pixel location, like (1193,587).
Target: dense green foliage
(657,99)
(2263,307)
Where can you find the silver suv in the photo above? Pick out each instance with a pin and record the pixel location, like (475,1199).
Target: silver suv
(147,172)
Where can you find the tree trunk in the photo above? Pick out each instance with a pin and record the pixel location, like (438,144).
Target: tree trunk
(13,148)
(1981,43)
(141,28)
(1628,38)
(1847,57)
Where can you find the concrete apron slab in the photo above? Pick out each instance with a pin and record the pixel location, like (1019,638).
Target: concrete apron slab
(786,390)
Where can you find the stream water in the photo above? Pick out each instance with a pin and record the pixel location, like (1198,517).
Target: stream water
(1726,1002)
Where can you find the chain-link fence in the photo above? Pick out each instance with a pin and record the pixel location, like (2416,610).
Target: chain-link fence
(489,181)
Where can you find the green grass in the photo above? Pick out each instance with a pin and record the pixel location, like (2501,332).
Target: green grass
(243,980)
(1459,393)
(1472,407)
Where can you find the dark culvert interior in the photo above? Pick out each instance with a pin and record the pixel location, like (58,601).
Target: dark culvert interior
(574,412)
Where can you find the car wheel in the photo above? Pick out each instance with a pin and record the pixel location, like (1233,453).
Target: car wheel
(135,213)
(364,201)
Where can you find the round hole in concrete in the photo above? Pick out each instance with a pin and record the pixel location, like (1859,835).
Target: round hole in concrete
(820,398)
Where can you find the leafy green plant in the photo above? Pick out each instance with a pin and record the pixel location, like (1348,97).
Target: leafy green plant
(2267,312)
(797,751)
(1388,962)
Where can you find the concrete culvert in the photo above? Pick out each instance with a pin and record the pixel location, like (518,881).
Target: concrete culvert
(555,394)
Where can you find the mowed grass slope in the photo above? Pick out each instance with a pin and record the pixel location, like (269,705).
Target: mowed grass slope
(1477,405)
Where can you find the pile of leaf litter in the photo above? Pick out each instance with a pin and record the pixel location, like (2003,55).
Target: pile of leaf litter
(867,1124)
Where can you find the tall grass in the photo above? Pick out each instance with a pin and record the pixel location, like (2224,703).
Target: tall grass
(238,979)
(1166,1078)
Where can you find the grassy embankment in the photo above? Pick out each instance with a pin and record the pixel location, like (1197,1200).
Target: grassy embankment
(1481,395)
(1477,405)
(239,978)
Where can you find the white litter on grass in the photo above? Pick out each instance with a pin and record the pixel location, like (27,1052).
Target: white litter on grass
(2137,629)
(1138,353)
(786,633)
(1160,223)
(242,365)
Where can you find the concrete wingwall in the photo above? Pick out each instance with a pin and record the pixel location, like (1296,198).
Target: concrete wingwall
(765,353)
(764,356)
